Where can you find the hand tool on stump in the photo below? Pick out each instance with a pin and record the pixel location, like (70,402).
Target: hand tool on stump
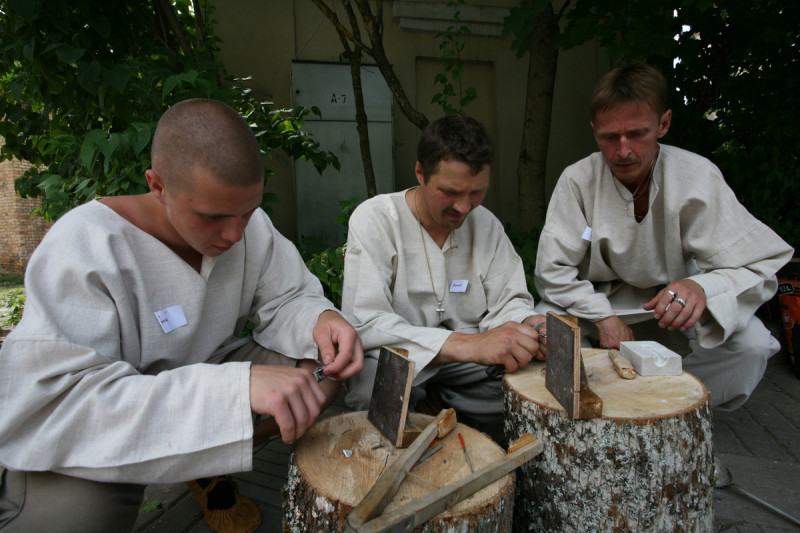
(623,367)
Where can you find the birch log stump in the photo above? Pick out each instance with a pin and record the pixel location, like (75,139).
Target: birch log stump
(324,485)
(645,465)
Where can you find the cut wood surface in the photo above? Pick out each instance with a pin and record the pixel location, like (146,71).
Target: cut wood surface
(645,465)
(645,396)
(324,485)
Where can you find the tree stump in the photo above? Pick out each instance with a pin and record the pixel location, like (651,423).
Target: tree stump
(645,465)
(324,484)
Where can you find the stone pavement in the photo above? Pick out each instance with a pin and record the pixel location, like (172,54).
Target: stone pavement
(760,444)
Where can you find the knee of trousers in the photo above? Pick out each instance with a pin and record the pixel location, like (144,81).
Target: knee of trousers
(55,502)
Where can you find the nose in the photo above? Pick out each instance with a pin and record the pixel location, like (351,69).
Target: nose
(233,229)
(462,205)
(624,146)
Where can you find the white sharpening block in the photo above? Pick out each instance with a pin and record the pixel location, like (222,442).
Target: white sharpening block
(650,358)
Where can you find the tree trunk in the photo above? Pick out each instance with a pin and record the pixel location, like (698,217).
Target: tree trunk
(536,123)
(645,465)
(324,484)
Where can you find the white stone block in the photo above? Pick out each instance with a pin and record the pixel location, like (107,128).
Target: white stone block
(650,358)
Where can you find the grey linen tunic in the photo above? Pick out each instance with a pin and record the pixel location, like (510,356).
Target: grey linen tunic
(91,385)
(695,228)
(387,292)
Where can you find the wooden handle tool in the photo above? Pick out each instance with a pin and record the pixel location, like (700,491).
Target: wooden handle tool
(623,367)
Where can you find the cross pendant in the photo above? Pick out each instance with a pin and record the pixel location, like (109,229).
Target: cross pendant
(440,310)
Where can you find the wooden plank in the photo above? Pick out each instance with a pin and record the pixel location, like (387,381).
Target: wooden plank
(390,395)
(563,370)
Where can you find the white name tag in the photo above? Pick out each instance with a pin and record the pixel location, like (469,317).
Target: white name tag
(459,285)
(587,234)
(171,318)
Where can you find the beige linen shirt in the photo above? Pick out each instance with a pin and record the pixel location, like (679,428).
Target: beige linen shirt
(388,293)
(92,386)
(596,261)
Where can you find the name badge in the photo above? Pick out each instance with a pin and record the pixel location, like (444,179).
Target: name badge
(459,285)
(587,234)
(171,318)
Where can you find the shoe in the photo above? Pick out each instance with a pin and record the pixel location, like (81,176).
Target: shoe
(225,509)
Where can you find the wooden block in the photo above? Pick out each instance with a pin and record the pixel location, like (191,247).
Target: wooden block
(565,376)
(562,374)
(650,358)
(390,395)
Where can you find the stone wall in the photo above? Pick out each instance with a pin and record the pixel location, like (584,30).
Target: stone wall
(20,231)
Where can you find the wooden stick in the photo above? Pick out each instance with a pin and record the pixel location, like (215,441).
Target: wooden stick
(623,367)
(422,509)
(384,489)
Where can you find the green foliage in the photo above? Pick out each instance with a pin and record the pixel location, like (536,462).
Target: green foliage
(150,506)
(14,301)
(10,280)
(526,245)
(452,44)
(84,83)
(328,263)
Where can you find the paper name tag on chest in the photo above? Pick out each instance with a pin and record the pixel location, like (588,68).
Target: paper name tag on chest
(171,318)
(459,285)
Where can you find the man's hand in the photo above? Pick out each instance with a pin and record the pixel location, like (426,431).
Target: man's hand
(291,395)
(611,331)
(512,345)
(539,323)
(679,305)
(339,346)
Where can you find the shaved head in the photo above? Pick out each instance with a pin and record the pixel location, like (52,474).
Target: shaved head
(205,136)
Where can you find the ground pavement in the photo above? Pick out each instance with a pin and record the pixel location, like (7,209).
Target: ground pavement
(760,444)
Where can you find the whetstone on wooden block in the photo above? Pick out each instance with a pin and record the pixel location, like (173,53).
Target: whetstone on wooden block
(650,358)
(565,377)
(390,396)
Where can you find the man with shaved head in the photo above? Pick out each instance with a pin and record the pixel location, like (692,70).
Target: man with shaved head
(130,366)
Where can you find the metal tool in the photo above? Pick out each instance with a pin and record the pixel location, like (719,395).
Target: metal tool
(319,376)
(366,517)
(724,480)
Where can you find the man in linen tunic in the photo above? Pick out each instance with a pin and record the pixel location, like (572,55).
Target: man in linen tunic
(434,247)
(128,366)
(612,260)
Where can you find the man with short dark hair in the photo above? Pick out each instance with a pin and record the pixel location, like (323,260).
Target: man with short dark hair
(645,241)
(431,271)
(129,366)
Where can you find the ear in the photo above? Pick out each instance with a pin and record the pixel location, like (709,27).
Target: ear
(156,185)
(664,123)
(418,173)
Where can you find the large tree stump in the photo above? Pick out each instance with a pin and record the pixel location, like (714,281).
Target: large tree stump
(645,465)
(324,485)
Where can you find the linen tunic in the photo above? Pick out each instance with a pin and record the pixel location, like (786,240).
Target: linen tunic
(387,293)
(595,261)
(93,387)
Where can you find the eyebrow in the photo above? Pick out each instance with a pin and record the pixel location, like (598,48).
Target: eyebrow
(226,215)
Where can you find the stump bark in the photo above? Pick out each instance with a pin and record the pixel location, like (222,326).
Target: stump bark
(645,465)
(324,485)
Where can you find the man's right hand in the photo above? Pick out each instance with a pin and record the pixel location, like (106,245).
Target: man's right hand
(512,345)
(291,395)
(611,331)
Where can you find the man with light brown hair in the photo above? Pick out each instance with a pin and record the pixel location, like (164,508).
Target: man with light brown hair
(645,241)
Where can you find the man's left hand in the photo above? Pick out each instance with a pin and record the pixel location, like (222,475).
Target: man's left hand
(679,305)
(339,346)
(539,323)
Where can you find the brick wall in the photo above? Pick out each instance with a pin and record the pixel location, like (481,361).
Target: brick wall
(20,232)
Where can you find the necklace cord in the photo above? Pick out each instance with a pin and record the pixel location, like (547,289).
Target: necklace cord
(425,248)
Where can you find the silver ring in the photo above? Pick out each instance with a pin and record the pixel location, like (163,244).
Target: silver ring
(672,293)
(667,307)
(681,301)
